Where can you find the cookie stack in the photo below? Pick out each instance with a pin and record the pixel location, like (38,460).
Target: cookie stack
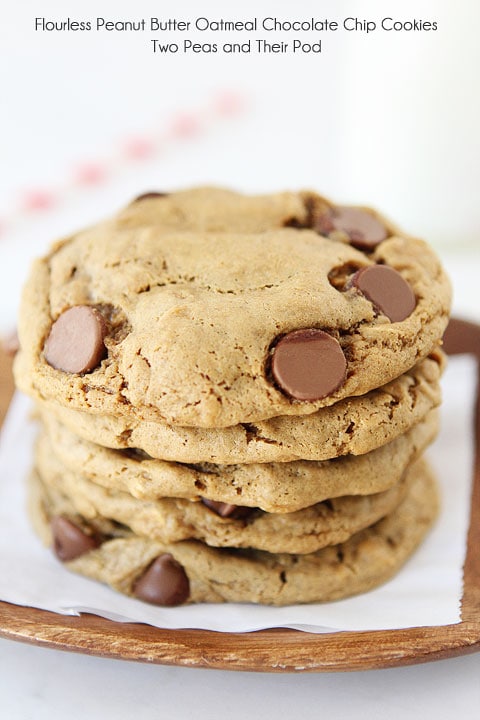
(234,395)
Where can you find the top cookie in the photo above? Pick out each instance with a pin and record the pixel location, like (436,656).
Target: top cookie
(207,308)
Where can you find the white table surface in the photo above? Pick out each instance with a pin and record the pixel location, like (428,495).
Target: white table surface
(334,125)
(40,684)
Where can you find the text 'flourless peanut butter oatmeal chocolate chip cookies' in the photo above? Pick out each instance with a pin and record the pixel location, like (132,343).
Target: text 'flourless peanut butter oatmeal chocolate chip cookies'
(234,395)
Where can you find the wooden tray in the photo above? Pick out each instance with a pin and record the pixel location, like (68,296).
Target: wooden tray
(267,650)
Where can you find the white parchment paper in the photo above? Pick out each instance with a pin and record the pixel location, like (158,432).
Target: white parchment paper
(427,591)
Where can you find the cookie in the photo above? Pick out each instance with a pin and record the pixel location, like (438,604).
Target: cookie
(219,524)
(211,209)
(352,426)
(190,571)
(272,487)
(210,324)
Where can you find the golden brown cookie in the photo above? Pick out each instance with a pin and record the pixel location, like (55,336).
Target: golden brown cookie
(273,487)
(219,524)
(190,571)
(351,426)
(194,322)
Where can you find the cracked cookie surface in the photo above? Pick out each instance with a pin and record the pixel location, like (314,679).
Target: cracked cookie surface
(366,560)
(197,288)
(174,519)
(351,426)
(273,487)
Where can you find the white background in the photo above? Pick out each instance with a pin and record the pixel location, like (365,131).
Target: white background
(389,120)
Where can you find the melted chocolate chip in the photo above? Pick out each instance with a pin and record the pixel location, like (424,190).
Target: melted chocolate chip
(362,228)
(69,541)
(147,195)
(226,510)
(387,291)
(163,583)
(339,276)
(462,336)
(308,364)
(76,340)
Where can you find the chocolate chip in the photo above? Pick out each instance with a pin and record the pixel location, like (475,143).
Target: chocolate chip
(363,229)
(308,364)
(75,343)
(69,541)
(226,510)
(387,291)
(340,275)
(163,583)
(147,195)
